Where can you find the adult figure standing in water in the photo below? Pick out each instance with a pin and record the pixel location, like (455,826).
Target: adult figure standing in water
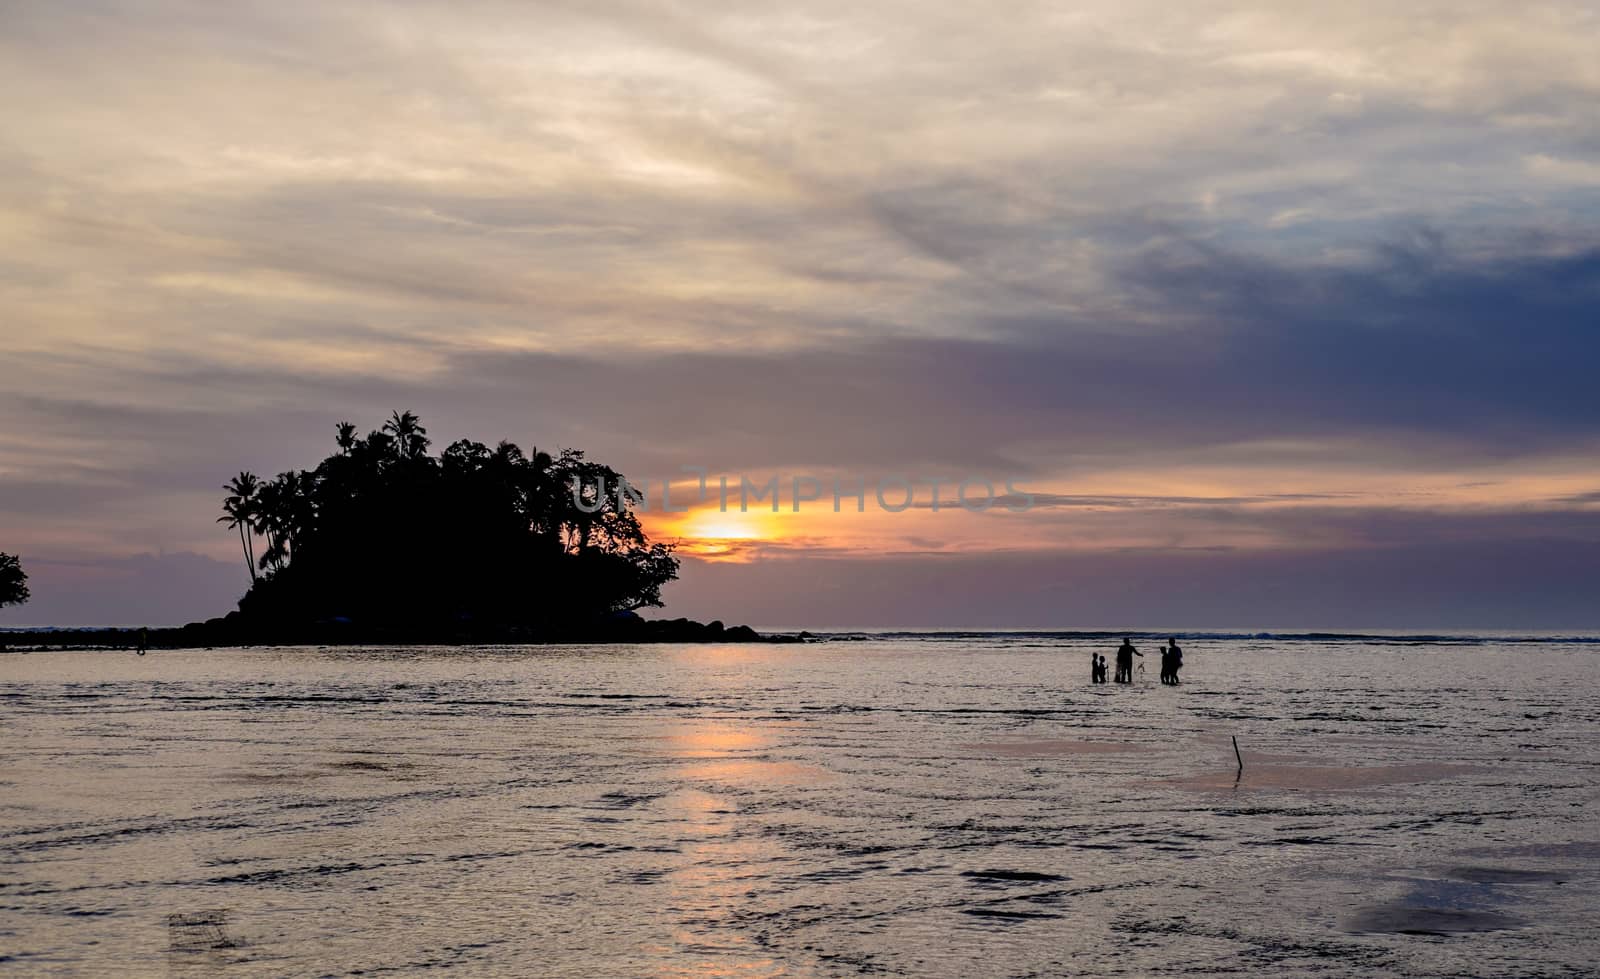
(1125,655)
(1172,661)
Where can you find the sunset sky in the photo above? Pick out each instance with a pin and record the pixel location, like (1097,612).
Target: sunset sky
(1286,316)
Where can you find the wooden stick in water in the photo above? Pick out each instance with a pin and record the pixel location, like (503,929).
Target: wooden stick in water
(1237,755)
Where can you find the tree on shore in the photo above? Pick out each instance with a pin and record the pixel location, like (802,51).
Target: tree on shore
(13,581)
(239,511)
(383,532)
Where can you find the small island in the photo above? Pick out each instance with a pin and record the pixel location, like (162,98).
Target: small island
(382,542)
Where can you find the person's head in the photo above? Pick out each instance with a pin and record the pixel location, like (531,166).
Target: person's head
(1171,641)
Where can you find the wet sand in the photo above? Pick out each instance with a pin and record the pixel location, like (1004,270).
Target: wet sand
(1319,778)
(906,807)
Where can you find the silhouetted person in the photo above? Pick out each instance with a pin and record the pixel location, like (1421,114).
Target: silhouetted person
(1125,655)
(1098,667)
(1172,661)
(144,640)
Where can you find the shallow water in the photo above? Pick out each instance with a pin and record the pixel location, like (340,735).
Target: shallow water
(911,806)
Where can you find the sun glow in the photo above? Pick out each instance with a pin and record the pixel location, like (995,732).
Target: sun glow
(713,533)
(715,525)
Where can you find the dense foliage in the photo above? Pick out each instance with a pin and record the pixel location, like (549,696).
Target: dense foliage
(382,532)
(13,581)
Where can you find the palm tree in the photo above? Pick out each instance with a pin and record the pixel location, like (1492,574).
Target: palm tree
(283,509)
(268,522)
(541,496)
(411,439)
(299,508)
(239,511)
(346,437)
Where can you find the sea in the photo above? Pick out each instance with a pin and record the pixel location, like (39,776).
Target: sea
(928,805)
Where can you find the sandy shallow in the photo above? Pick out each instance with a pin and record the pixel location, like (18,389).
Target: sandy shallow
(1257,776)
(907,807)
(1046,749)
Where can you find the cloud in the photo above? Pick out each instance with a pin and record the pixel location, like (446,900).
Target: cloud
(1188,265)
(1579,172)
(1414,360)
(1581,498)
(1536,585)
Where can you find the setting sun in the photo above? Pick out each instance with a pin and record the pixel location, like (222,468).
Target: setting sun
(719,535)
(714,525)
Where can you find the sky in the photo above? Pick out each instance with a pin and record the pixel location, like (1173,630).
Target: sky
(1276,316)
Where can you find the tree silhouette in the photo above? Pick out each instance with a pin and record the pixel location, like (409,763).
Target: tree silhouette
(408,434)
(239,511)
(382,532)
(13,581)
(266,520)
(346,438)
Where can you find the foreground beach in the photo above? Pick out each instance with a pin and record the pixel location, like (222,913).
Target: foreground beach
(909,806)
